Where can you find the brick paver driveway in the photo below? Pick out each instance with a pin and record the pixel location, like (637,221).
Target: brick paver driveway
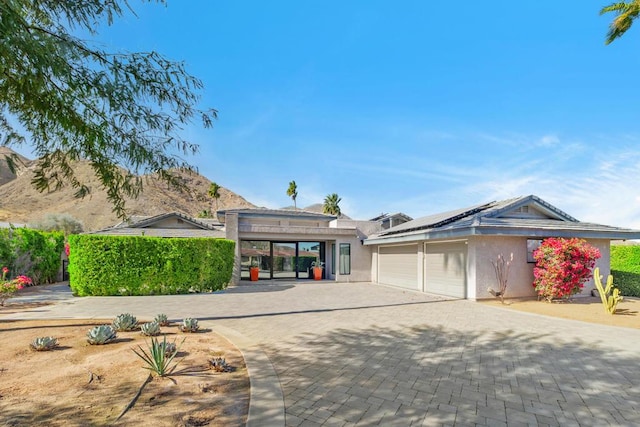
(363,354)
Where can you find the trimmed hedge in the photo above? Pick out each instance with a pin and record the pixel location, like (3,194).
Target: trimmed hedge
(138,265)
(625,268)
(33,253)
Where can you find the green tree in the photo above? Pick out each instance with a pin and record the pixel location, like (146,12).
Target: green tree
(626,13)
(214,193)
(331,205)
(292,192)
(70,99)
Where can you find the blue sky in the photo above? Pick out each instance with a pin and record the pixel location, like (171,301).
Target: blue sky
(411,106)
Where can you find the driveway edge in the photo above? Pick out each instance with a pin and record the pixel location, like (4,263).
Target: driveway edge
(266,403)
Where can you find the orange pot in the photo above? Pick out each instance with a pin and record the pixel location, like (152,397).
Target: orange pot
(253,273)
(317,273)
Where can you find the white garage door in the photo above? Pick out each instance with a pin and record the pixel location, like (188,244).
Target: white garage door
(398,266)
(445,268)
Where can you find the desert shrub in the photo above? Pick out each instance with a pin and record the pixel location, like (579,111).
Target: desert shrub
(625,267)
(562,267)
(139,265)
(62,222)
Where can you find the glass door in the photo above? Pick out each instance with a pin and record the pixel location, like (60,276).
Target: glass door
(284,260)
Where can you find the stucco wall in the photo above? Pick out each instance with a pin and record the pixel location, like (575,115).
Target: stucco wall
(485,249)
(360,261)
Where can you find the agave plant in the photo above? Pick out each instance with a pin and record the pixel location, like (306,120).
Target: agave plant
(150,329)
(189,325)
(169,348)
(162,320)
(102,334)
(44,343)
(125,322)
(156,359)
(218,364)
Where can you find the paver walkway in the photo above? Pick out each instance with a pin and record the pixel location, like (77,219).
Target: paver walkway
(363,354)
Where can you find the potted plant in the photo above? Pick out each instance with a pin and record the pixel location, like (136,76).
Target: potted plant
(254,271)
(317,267)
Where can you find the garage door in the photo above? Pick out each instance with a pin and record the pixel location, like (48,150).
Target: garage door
(445,269)
(398,266)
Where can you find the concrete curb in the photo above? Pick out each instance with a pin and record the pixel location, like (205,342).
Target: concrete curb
(266,404)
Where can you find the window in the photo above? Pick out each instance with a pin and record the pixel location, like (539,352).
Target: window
(532,245)
(345,258)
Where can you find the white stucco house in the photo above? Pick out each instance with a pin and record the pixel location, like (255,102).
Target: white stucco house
(449,254)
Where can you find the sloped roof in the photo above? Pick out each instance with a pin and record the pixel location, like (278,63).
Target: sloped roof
(524,216)
(146,226)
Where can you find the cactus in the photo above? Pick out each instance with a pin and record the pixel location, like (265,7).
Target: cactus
(125,322)
(609,301)
(102,334)
(44,343)
(150,329)
(189,325)
(162,320)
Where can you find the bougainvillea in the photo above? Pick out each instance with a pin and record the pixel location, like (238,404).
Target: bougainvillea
(562,267)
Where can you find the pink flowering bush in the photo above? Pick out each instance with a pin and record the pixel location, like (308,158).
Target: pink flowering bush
(562,267)
(9,287)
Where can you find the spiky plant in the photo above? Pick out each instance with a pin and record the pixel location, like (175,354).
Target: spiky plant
(162,319)
(169,348)
(125,322)
(156,359)
(44,343)
(218,364)
(150,329)
(189,325)
(102,334)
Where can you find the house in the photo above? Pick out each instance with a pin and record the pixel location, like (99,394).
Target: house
(284,243)
(451,253)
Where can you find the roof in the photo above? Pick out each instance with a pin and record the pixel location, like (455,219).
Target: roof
(384,216)
(151,226)
(521,216)
(290,213)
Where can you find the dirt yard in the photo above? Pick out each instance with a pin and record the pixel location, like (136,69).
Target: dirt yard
(80,384)
(586,309)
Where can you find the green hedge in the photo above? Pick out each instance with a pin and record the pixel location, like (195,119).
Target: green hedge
(138,265)
(33,253)
(625,268)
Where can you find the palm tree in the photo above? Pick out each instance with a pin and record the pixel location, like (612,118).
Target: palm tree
(292,192)
(626,13)
(214,193)
(331,206)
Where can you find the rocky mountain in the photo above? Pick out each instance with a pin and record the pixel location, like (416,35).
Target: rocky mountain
(20,202)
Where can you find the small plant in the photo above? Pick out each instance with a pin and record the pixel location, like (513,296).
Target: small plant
(102,334)
(150,329)
(162,320)
(156,359)
(189,325)
(125,322)
(9,287)
(44,343)
(609,295)
(317,264)
(169,348)
(501,268)
(218,364)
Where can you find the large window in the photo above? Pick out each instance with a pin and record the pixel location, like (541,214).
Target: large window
(255,253)
(345,258)
(279,260)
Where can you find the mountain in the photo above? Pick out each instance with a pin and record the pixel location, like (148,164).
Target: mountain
(20,202)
